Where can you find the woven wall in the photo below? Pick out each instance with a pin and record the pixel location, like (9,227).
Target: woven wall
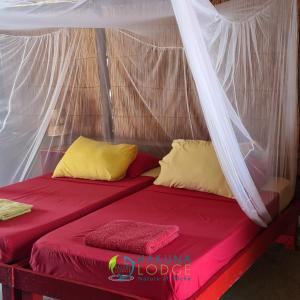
(79,106)
(152,117)
(153,95)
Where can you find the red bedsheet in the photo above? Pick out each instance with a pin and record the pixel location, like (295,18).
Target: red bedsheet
(55,203)
(212,230)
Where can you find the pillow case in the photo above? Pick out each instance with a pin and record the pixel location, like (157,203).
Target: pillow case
(152,172)
(90,159)
(142,163)
(193,164)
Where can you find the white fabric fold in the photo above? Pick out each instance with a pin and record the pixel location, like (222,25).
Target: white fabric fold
(25,15)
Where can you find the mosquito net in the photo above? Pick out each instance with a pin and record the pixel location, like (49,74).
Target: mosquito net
(149,72)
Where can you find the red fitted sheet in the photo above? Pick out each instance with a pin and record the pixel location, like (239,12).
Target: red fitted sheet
(55,203)
(212,230)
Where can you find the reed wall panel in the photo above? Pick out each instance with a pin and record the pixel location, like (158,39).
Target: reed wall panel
(146,105)
(79,108)
(153,97)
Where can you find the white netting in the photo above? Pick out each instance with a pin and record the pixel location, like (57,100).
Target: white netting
(235,78)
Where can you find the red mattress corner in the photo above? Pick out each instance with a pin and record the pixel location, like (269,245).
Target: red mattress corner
(56,202)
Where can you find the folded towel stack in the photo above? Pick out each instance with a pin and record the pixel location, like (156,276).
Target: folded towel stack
(11,209)
(130,236)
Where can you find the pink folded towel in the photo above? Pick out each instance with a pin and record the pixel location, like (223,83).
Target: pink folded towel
(130,236)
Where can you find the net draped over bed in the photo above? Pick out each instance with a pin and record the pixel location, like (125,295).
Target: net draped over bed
(149,72)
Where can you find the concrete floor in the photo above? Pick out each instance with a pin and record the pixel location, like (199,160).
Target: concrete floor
(276,276)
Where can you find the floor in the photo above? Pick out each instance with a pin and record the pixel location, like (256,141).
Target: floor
(275,276)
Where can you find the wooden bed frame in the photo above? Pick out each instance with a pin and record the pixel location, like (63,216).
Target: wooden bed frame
(20,282)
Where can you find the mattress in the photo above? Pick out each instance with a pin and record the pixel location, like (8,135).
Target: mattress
(55,203)
(213,229)
(283,188)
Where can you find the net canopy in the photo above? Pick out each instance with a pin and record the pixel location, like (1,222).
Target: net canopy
(149,72)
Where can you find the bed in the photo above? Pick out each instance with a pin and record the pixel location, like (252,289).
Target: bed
(213,230)
(55,202)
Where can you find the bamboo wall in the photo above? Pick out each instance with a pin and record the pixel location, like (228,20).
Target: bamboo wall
(143,108)
(153,94)
(79,108)
(144,112)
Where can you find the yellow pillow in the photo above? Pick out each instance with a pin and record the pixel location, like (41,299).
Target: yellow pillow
(193,165)
(89,159)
